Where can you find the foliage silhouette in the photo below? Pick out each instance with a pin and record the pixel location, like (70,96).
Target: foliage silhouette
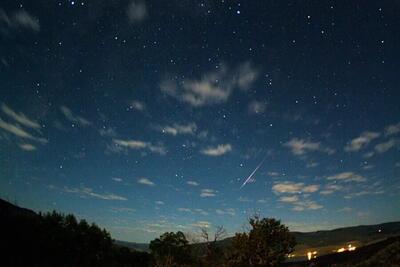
(53,239)
(266,244)
(171,249)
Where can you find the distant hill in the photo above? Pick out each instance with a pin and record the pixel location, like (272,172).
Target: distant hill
(382,253)
(324,242)
(132,245)
(8,209)
(55,239)
(56,232)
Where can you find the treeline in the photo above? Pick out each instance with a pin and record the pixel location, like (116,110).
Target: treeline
(54,239)
(266,244)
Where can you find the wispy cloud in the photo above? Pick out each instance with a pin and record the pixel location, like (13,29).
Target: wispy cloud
(19,132)
(146,181)
(185,210)
(330,189)
(107,132)
(121,145)
(392,129)
(306,205)
(27,147)
(256,107)
(347,177)
(20,117)
(202,224)
(192,183)
(213,87)
(87,192)
(244,199)
(69,115)
(138,105)
(117,179)
(361,141)
(302,146)
(312,164)
(294,188)
(178,129)
(217,151)
(293,197)
(18,20)
(136,11)
(208,193)
(383,147)
(228,211)
(289,199)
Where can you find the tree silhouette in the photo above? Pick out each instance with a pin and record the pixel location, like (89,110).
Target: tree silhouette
(53,239)
(171,249)
(213,254)
(266,244)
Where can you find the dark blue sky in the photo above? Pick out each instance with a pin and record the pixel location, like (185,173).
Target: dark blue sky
(148,116)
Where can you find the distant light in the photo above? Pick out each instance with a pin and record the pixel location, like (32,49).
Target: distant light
(341,250)
(238,12)
(379,230)
(309,255)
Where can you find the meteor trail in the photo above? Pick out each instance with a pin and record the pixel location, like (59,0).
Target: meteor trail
(251,175)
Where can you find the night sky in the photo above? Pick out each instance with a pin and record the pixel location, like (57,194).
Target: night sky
(149,116)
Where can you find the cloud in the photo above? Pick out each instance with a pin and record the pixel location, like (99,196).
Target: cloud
(146,181)
(202,224)
(347,177)
(69,115)
(122,209)
(20,117)
(117,179)
(19,132)
(214,87)
(177,129)
(310,188)
(88,192)
(247,74)
(297,203)
(217,151)
(306,205)
(302,146)
(27,147)
(383,147)
(137,11)
(312,165)
(244,199)
(140,106)
(192,183)
(294,188)
(257,107)
(121,145)
(392,129)
(185,210)
(289,199)
(330,189)
(361,142)
(208,193)
(345,209)
(18,20)
(201,211)
(107,132)
(229,211)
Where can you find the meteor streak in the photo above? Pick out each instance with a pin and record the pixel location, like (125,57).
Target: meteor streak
(251,175)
